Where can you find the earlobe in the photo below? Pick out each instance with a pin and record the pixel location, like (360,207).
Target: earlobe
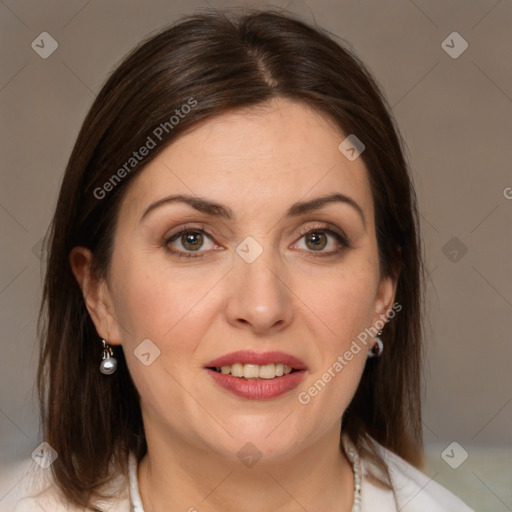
(95,293)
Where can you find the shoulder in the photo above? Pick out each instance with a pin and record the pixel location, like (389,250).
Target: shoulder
(34,490)
(413,491)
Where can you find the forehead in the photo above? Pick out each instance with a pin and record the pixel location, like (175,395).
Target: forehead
(257,159)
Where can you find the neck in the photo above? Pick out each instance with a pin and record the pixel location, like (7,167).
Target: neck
(175,475)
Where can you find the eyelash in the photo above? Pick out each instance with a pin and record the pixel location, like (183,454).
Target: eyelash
(318,229)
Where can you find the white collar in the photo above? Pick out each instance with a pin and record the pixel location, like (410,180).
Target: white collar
(411,488)
(135,501)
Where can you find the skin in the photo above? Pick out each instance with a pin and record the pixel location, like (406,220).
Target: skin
(257,162)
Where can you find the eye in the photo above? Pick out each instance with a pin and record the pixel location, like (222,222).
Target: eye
(190,240)
(193,242)
(322,240)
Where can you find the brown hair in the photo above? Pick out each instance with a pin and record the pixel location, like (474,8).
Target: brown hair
(220,62)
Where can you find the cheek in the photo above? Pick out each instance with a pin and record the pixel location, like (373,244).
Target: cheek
(343,301)
(160,303)
(168,307)
(343,309)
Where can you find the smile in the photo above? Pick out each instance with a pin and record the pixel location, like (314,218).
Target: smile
(261,375)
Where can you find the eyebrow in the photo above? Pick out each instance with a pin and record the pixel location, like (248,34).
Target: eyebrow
(217,210)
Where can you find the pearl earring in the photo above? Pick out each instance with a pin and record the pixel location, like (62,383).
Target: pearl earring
(108,364)
(377,348)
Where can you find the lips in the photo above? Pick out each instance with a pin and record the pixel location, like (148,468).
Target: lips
(259,358)
(257,389)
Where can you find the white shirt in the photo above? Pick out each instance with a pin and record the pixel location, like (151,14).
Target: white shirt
(414,491)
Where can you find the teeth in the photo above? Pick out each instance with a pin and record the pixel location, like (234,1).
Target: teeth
(266,372)
(237,370)
(251,371)
(254,371)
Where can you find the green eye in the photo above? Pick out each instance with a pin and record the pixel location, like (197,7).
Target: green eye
(317,240)
(190,240)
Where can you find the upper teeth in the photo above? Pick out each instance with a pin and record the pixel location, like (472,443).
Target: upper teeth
(254,371)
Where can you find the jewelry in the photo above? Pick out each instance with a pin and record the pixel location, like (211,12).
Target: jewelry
(353,457)
(109,363)
(377,348)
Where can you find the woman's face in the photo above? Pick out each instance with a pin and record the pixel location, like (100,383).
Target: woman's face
(257,272)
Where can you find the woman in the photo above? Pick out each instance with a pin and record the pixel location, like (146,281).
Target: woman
(233,291)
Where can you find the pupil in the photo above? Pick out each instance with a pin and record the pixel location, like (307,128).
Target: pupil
(316,240)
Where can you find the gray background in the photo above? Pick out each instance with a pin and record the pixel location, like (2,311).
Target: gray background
(456,117)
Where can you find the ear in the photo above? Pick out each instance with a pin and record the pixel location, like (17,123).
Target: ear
(385,298)
(97,296)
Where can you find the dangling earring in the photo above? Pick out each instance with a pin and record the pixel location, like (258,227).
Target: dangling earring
(108,364)
(377,348)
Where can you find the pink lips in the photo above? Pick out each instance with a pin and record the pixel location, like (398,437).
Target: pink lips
(261,389)
(250,357)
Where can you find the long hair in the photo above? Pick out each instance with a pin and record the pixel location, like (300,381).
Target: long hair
(215,62)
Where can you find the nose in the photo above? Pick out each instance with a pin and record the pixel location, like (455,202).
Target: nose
(259,300)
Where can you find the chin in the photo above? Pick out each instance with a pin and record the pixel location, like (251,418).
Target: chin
(262,440)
